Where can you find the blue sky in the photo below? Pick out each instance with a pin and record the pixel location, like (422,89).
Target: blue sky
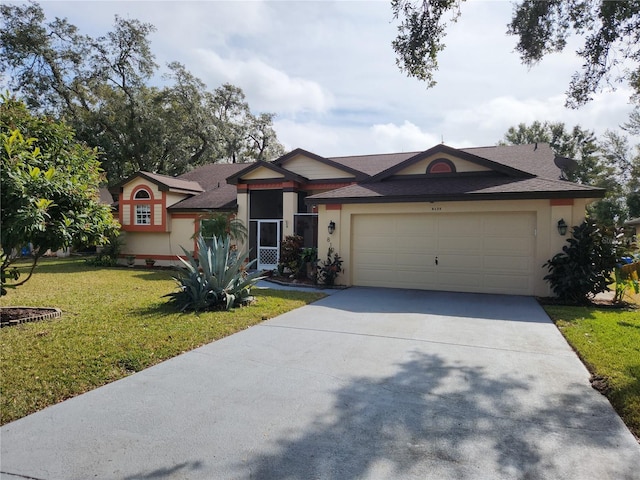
(328,71)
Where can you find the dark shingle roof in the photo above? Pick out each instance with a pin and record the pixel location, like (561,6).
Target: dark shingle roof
(537,158)
(218,194)
(457,188)
(373,164)
(173,183)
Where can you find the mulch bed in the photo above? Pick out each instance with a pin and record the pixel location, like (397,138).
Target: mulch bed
(10,316)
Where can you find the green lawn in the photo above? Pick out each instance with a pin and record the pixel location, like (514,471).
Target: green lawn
(608,342)
(114,323)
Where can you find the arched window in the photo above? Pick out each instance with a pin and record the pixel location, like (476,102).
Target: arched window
(441,165)
(142,195)
(142,210)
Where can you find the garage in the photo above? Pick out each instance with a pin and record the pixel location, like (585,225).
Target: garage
(465,252)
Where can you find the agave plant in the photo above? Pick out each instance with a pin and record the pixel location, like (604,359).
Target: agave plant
(217,279)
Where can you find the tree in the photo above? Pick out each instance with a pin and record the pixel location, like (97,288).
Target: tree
(583,268)
(611,31)
(576,143)
(608,162)
(100,86)
(49,196)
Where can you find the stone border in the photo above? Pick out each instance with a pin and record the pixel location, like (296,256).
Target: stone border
(48,313)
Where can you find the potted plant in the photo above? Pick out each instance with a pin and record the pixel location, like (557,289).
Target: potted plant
(309,257)
(150,262)
(131,260)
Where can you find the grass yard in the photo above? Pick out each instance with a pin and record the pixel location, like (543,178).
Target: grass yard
(608,342)
(114,323)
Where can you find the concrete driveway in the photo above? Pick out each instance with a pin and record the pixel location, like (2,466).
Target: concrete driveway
(365,384)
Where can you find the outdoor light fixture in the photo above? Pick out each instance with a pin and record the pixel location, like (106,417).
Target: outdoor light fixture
(332,227)
(562,227)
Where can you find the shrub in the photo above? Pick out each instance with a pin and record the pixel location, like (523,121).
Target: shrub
(290,254)
(583,268)
(627,275)
(330,268)
(108,257)
(216,280)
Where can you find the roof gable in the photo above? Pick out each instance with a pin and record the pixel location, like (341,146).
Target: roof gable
(315,167)
(459,165)
(468,161)
(276,172)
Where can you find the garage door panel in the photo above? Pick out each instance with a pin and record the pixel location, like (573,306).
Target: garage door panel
(510,264)
(458,244)
(459,281)
(506,281)
(507,246)
(407,243)
(460,262)
(477,252)
(414,260)
(457,225)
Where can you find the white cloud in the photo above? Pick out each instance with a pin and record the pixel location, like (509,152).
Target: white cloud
(486,122)
(328,140)
(401,138)
(269,89)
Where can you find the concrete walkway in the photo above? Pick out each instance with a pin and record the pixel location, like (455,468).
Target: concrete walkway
(364,384)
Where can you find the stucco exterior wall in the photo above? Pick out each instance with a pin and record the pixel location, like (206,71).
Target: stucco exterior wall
(161,246)
(262,174)
(548,241)
(289,208)
(313,169)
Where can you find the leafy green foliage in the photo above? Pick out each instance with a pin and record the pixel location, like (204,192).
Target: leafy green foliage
(49,196)
(420,35)
(290,250)
(627,276)
(109,254)
(610,29)
(216,280)
(329,269)
(218,224)
(583,268)
(100,85)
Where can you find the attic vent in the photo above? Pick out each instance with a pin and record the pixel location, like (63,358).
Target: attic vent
(441,165)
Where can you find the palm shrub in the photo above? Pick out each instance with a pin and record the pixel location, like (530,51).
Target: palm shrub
(216,280)
(583,268)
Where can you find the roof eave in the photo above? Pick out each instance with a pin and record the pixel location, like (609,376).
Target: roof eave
(592,194)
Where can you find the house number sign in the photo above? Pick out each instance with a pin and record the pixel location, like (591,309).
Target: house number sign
(436,209)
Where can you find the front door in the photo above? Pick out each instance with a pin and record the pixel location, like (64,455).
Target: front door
(268,244)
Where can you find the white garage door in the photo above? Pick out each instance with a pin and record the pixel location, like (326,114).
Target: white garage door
(479,252)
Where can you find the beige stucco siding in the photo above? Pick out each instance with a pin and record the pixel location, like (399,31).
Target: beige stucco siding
(126,217)
(262,173)
(157,214)
(420,167)
(543,235)
(313,169)
(163,246)
(172,198)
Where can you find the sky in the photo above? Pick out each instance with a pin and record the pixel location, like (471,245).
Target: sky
(328,72)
